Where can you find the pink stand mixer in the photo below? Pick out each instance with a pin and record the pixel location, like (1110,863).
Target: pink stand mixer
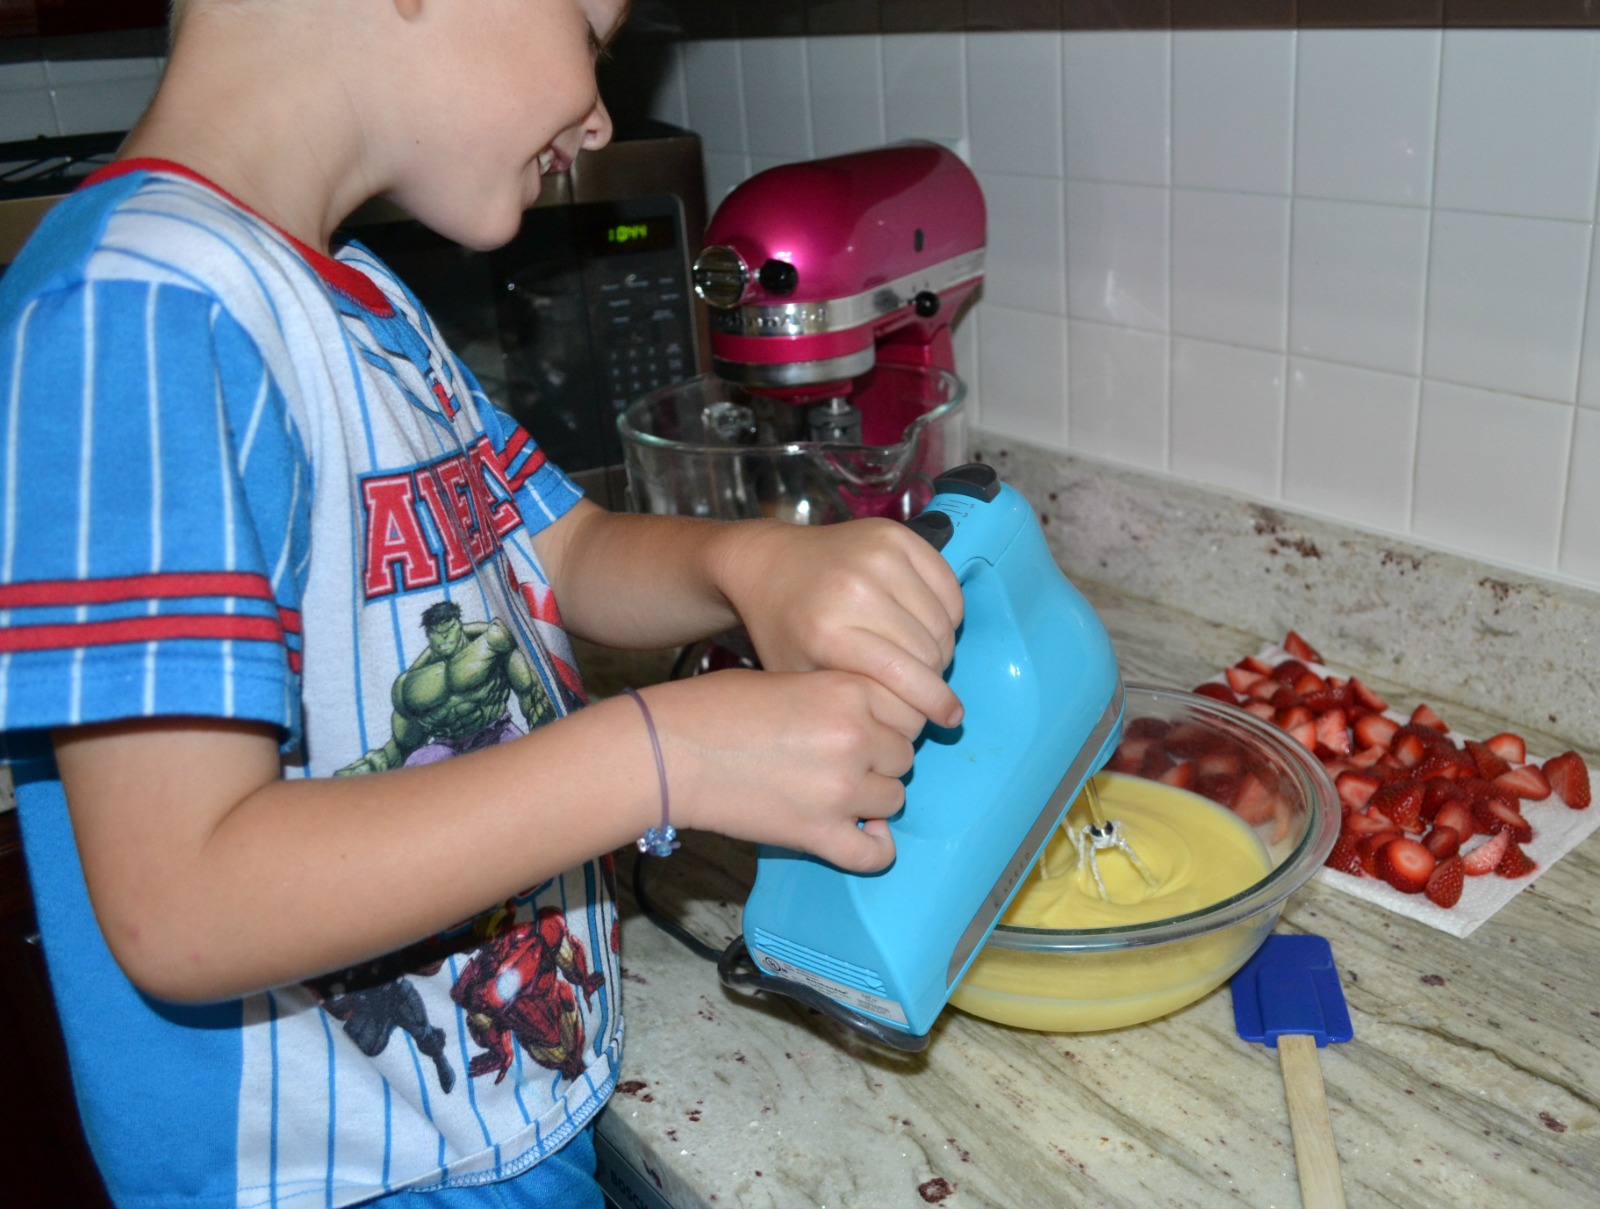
(831,286)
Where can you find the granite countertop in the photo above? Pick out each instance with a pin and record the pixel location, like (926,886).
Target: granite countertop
(1471,1079)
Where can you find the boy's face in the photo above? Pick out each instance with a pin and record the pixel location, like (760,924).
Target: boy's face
(507,94)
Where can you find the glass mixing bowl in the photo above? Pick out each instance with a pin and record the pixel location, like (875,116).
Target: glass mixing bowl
(708,447)
(1091,979)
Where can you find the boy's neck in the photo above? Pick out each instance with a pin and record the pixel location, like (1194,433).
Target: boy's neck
(273,128)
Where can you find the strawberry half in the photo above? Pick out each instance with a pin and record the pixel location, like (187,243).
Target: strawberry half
(1300,648)
(1346,855)
(1424,715)
(1220,692)
(1526,781)
(1569,779)
(1516,862)
(1375,730)
(1509,747)
(1445,883)
(1443,842)
(1496,814)
(1401,803)
(1486,857)
(1406,865)
(1490,763)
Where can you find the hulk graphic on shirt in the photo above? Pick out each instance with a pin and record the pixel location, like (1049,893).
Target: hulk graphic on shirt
(455,697)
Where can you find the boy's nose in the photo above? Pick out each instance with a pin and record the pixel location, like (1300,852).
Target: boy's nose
(597,127)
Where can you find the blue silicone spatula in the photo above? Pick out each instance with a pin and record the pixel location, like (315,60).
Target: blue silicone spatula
(1288,996)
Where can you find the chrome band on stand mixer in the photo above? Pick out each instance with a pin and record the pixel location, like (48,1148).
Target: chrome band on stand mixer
(832,285)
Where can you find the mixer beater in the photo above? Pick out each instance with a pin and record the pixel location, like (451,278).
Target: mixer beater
(1092,837)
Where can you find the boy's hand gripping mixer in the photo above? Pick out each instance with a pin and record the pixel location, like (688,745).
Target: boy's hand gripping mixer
(1038,677)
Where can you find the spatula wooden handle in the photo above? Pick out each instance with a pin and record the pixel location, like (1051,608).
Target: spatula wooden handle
(1321,1186)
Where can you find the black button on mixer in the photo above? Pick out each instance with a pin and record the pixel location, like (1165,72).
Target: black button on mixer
(936,528)
(778,277)
(975,479)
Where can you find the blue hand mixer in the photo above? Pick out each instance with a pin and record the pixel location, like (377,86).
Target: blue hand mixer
(1036,672)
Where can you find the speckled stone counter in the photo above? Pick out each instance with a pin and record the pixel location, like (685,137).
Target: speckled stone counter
(1471,1080)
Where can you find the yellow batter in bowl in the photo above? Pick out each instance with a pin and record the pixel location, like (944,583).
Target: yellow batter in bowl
(1199,854)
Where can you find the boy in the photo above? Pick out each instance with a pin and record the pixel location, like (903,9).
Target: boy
(316,830)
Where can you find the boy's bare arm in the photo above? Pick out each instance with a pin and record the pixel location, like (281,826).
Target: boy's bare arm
(866,596)
(211,876)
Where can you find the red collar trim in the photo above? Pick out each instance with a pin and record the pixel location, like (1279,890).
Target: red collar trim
(345,279)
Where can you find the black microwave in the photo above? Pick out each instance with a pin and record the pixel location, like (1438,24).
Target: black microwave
(588,308)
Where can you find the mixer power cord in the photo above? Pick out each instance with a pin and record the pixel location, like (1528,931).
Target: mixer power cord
(663,921)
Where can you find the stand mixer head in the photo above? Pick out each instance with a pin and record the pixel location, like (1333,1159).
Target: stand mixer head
(831,285)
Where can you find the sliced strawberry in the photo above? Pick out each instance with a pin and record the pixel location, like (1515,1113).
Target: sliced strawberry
(1241,678)
(1569,779)
(1356,788)
(1446,882)
(1458,817)
(1332,697)
(1436,794)
(1367,756)
(1498,813)
(1490,763)
(1401,803)
(1375,730)
(1254,663)
(1261,709)
(1526,781)
(1180,775)
(1424,715)
(1369,848)
(1289,671)
(1366,698)
(1220,787)
(1508,747)
(1220,692)
(1439,765)
(1255,803)
(1304,734)
(1406,865)
(1333,731)
(1516,862)
(1300,648)
(1408,749)
(1295,715)
(1486,857)
(1308,683)
(1443,842)
(1364,822)
(1346,855)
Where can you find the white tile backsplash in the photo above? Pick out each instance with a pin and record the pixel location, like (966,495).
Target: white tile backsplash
(1349,443)
(1230,267)
(1118,383)
(1232,109)
(847,94)
(1014,104)
(1580,531)
(1025,262)
(1351,271)
(1519,122)
(1356,283)
(1506,303)
(1491,474)
(1117,92)
(1117,254)
(1227,416)
(925,86)
(1365,102)
(777,114)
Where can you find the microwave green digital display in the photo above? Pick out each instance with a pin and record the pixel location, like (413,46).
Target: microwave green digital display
(625,235)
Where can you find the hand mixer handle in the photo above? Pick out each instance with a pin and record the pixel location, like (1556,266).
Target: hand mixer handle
(973,479)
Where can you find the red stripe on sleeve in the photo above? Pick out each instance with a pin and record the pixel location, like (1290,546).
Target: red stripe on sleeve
(140,629)
(71,592)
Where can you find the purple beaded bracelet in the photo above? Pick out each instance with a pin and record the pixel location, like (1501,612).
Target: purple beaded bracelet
(662,840)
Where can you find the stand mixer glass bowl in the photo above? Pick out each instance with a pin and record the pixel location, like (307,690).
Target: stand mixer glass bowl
(708,447)
(1075,980)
